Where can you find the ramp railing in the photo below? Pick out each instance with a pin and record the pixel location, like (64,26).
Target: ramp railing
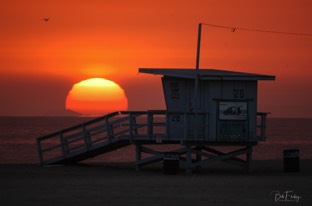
(101,132)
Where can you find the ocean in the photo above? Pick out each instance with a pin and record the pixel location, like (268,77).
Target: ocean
(18,139)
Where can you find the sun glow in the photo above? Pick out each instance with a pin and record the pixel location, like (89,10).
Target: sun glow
(95,97)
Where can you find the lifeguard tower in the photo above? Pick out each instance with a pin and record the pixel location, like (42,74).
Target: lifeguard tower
(212,108)
(205,110)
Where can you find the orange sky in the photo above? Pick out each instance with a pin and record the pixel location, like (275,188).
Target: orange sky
(40,61)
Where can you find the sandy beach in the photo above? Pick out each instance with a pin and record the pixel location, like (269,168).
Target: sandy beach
(120,184)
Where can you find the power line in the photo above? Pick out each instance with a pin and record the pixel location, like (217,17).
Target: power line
(233,29)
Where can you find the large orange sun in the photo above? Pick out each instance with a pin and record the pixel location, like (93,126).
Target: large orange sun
(96,97)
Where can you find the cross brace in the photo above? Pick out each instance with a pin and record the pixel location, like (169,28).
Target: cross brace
(193,157)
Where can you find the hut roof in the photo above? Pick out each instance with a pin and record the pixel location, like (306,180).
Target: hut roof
(205,74)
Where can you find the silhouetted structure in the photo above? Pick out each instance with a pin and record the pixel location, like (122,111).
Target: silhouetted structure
(204,109)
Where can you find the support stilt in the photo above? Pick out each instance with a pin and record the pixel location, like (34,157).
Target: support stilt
(189,160)
(249,159)
(198,156)
(138,156)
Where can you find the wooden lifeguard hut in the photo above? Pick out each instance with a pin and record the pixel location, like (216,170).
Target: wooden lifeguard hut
(212,108)
(206,110)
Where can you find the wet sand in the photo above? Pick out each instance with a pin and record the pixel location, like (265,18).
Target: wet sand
(119,184)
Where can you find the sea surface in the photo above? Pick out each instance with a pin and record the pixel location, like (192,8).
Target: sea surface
(18,139)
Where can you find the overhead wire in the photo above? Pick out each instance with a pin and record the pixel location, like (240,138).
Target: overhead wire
(233,29)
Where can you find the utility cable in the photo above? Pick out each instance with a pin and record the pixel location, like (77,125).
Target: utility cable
(233,29)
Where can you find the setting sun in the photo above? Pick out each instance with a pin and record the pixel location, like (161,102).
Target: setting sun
(95,97)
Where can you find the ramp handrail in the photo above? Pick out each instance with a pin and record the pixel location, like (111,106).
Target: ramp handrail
(98,132)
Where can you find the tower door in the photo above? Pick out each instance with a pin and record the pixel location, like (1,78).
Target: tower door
(232,121)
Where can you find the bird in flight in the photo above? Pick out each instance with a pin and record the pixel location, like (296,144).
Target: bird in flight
(46,19)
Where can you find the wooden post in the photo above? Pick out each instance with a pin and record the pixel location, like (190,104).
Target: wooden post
(198,48)
(131,127)
(64,145)
(263,126)
(109,129)
(189,160)
(134,123)
(206,127)
(198,157)
(249,158)
(167,136)
(186,126)
(86,137)
(196,99)
(150,124)
(40,152)
(138,156)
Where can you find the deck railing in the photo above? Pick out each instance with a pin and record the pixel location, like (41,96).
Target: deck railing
(150,126)
(261,125)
